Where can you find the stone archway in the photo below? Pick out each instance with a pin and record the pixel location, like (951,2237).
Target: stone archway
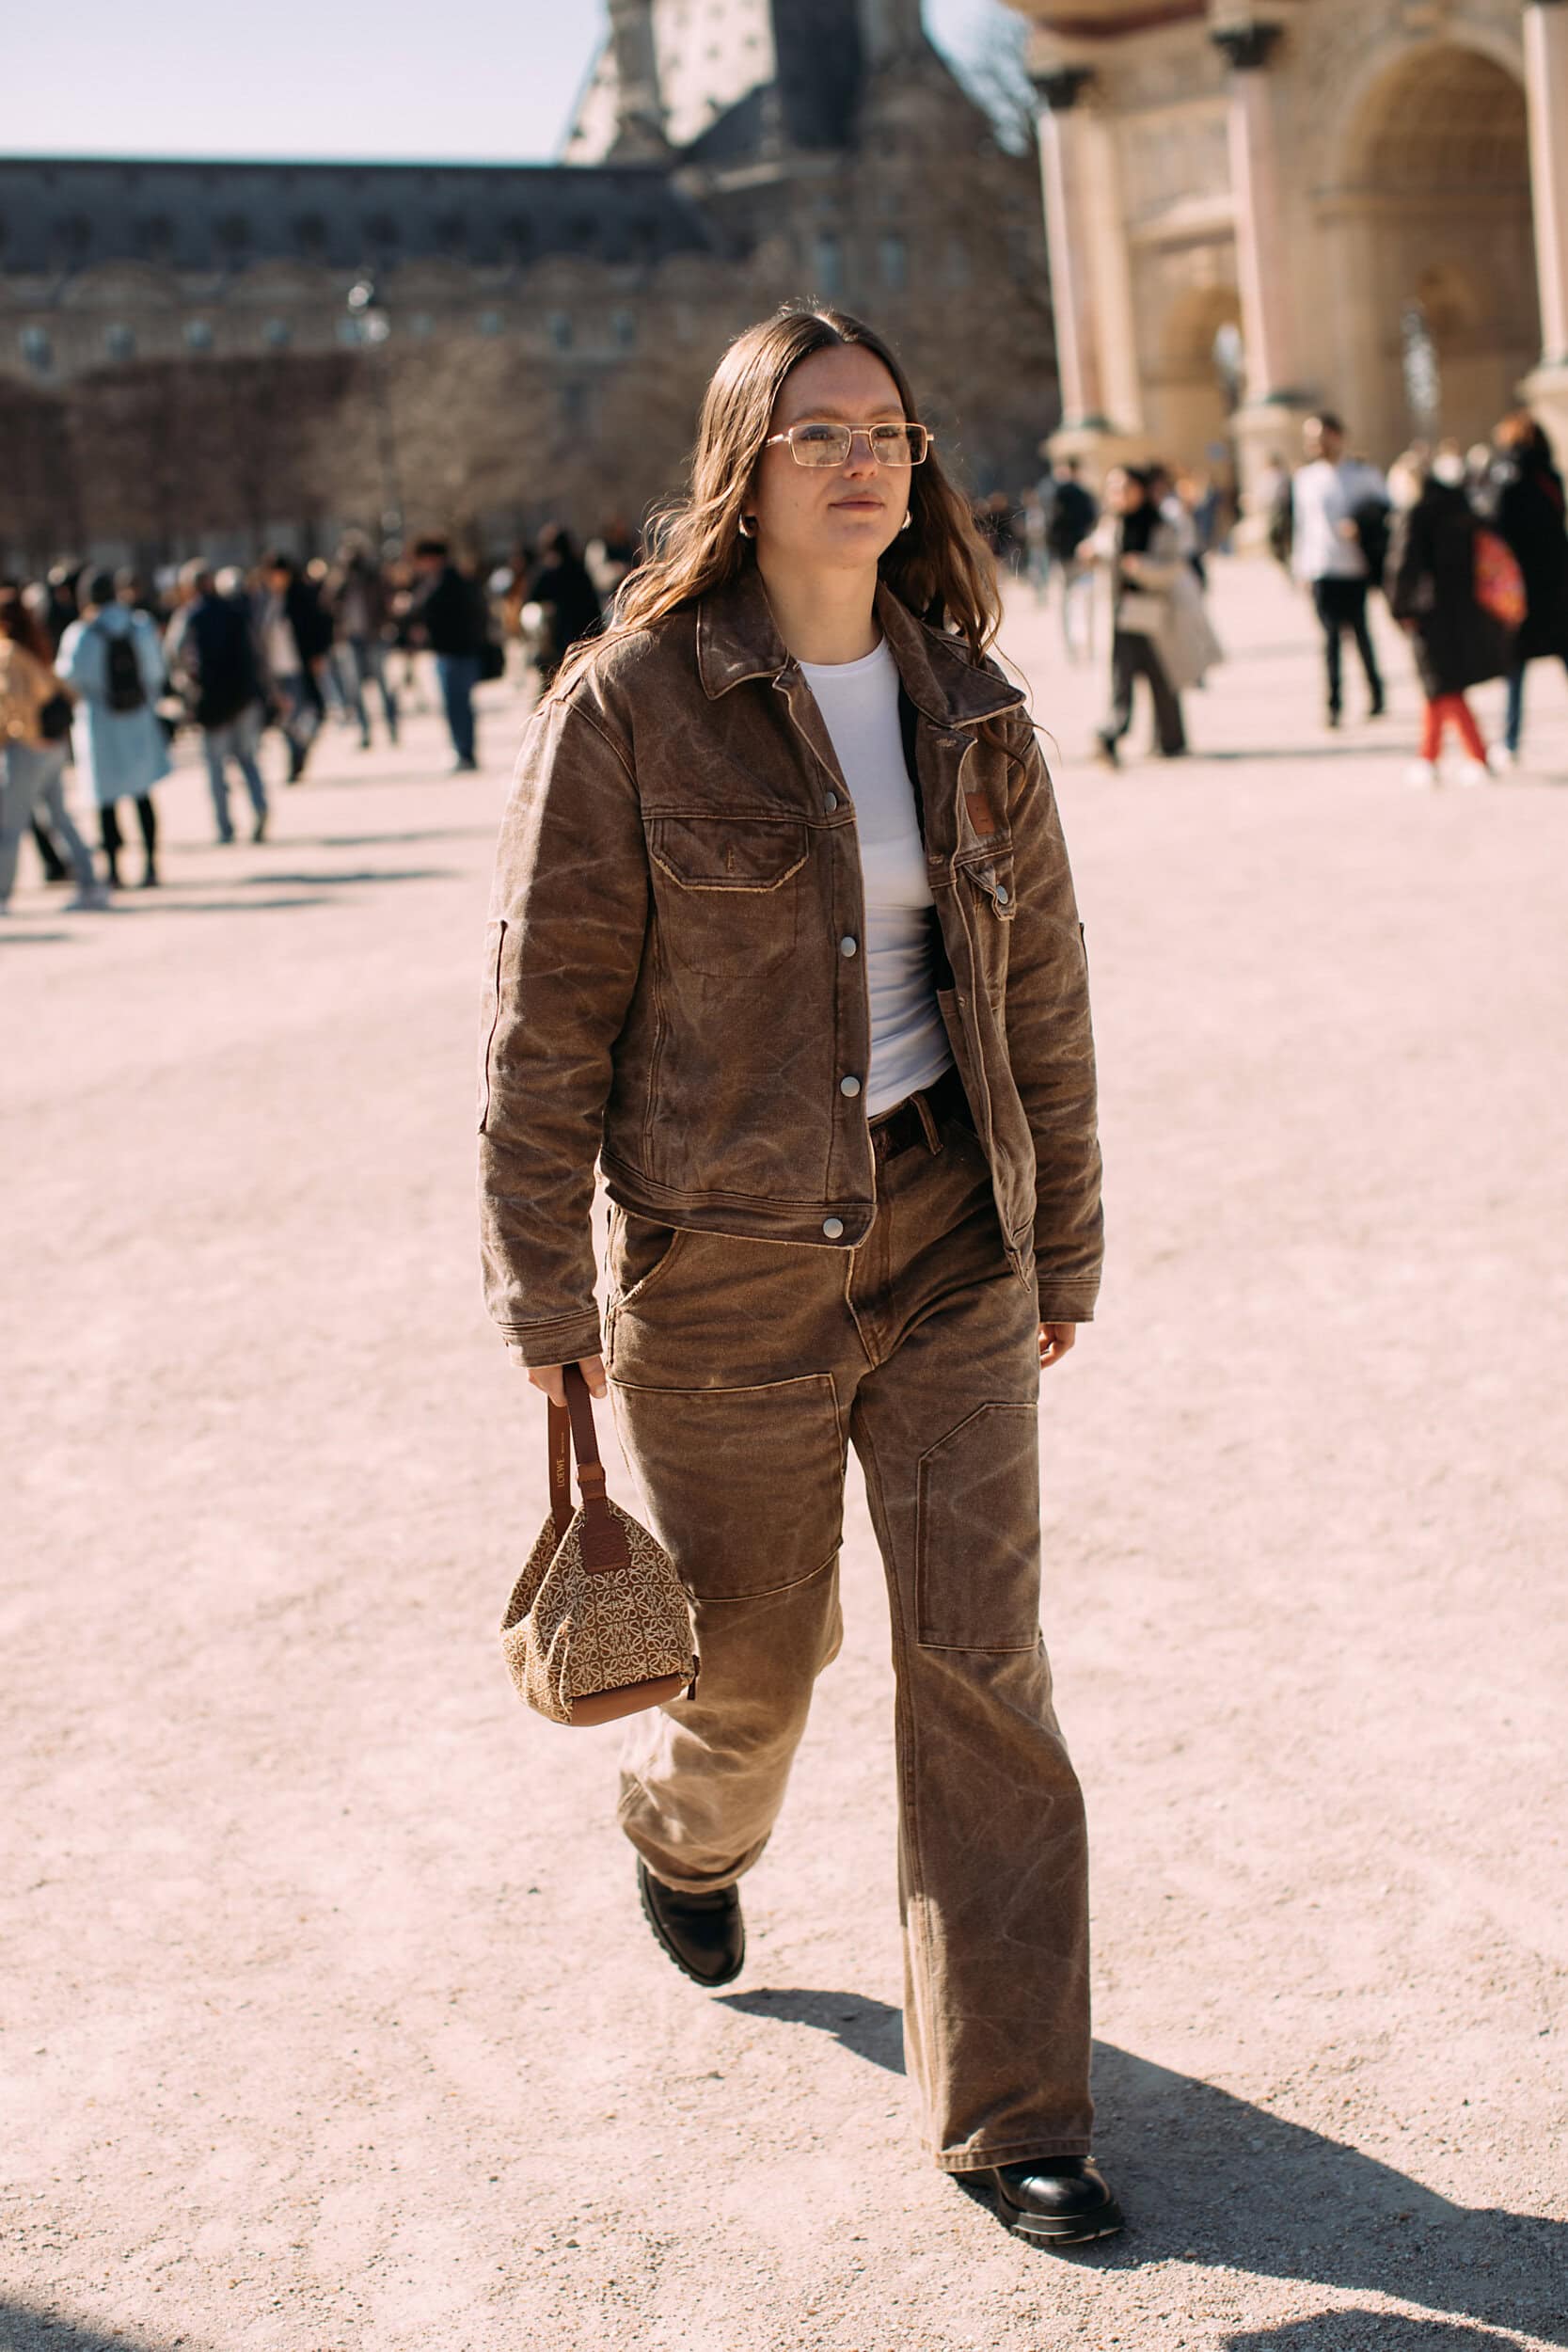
(1190,389)
(1430,249)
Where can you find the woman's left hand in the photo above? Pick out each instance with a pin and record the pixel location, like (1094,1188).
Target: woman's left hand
(1055,1339)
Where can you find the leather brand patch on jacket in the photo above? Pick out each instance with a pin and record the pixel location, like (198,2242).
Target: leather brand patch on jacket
(979,814)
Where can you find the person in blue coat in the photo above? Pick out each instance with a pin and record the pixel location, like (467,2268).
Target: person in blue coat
(113,660)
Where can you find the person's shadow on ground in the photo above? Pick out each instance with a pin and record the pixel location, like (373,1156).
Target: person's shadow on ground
(24,2328)
(1365,2331)
(1207,2178)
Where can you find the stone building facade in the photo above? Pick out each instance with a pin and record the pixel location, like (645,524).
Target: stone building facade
(541,333)
(1362,204)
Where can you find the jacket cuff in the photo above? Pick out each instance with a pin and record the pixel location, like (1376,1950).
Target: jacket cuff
(543,1343)
(1063,1303)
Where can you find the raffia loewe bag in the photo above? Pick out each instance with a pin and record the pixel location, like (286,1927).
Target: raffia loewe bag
(598,1624)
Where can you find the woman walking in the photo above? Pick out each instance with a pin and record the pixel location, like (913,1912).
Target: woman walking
(1522,499)
(33,758)
(1431,586)
(1159,631)
(113,662)
(784,933)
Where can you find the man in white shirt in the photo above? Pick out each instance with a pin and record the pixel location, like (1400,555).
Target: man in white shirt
(1330,492)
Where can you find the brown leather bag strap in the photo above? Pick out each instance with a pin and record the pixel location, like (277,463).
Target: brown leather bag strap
(604,1541)
(558,1439)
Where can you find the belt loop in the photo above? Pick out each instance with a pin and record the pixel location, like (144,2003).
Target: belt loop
(933,1136)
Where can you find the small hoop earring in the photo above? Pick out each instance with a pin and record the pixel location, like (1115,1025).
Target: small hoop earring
(748,527)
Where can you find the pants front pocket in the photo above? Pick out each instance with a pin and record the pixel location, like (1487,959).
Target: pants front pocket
(744,1485)
(977,1533)
(638,1252)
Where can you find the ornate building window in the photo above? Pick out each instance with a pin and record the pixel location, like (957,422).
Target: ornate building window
(827,265)
(198,335)
(119,342)
(491,323)
(895,256)
(36,350)
(623,328)
(574,406)
(278,334)
(558,325)
(233,233)
(310,235)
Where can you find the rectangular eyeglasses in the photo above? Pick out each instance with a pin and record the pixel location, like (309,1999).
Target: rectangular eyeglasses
(830,444)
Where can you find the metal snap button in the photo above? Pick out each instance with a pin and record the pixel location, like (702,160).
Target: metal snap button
(830,802)
(1000,894)
(848,1085)
(832,1226)
(847,947)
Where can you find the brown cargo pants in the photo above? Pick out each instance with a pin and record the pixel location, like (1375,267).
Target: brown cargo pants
(739,1373)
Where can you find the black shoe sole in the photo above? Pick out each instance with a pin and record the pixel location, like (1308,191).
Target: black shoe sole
(1080,2229)
(709,1984)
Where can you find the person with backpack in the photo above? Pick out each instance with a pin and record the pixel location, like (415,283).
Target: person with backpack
(114,664)
(1432,585)
(1522,497)
(1339,544)
(212,657)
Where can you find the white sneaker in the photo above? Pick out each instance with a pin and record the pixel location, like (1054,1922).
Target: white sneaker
(1501,761)
(1422,777)
(1474,772)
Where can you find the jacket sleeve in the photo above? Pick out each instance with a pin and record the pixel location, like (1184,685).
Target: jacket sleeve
(1051,1049)
(568,918)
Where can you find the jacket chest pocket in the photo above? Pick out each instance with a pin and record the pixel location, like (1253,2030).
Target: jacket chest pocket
(729,890)
(990,888)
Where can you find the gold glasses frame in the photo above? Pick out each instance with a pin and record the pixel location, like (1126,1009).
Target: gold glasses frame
(840,448)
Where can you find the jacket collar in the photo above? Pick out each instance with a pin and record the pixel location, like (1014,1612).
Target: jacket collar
(737,639)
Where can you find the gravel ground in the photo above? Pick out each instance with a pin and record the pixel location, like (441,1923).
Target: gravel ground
(329,2023)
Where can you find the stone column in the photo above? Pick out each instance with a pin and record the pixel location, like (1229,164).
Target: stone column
(1546,96)
(1268,419)
(1545,31)
(1116,331)
(1066,242)
(1262,265)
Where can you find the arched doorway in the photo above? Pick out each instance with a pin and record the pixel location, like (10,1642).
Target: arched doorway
(1192,378)
(1433,251)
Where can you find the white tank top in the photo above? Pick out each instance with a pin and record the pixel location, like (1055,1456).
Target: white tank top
(858,702)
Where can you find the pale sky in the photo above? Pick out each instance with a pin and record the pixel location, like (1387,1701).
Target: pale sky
(473,81)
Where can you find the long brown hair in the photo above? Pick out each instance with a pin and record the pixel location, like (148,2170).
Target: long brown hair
(940,568)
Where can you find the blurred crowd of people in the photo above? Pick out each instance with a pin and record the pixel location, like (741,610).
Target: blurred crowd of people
(1470,550)
(100,670)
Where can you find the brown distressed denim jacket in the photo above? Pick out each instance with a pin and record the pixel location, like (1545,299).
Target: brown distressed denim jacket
(668,991)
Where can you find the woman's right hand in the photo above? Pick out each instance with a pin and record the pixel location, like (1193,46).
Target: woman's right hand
(552,1378)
